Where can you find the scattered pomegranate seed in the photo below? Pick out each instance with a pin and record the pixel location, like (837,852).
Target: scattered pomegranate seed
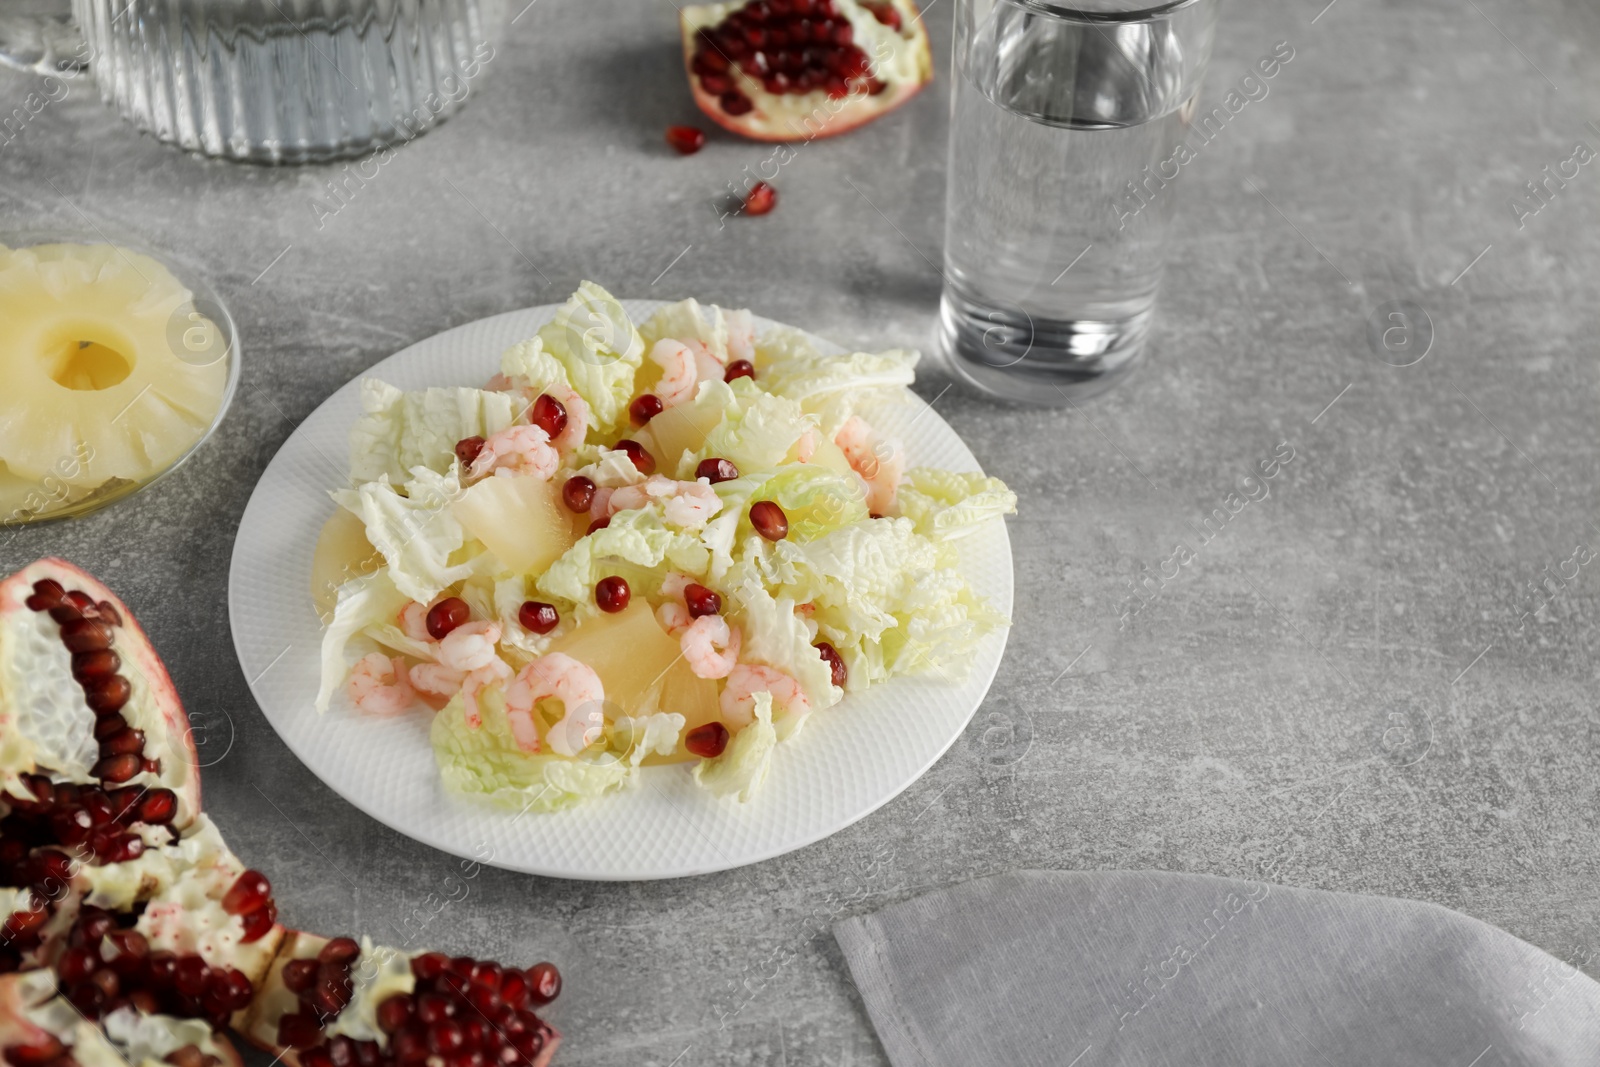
(761,199)
(835,662)
(538,617)
(612,594)
(549,414)
(739,368)
(599,524)
(701,601)
(716,470)
(467,450)
(644,461)
(708,741)
(545,983)
(769,520)
(446,615)
(249,891)
(644,408)
(686,139)
(578,494)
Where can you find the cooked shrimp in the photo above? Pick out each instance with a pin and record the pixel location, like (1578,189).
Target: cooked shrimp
(742,336)
(674,618)
(573,683)
(878,460)
(680,371)
(576,430)
(674,584)
(710,646)
(600,506)
(707,367)
(470,646)
(806,447)
(748,679)
(497,383)
(435,680)
(496,670)
(378,685)
(517,450)
(414,622)
(687,504)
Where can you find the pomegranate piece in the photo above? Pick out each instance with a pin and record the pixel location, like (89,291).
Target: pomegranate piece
(578,494)
(467,450)
(701,601)
(761,199)
(538,617)
(446,615)
(708,741)
(743,64)
(687,140)
(645,407)
(250,891)
(835,662)
(644,461)
(612,594)
(549,414)
(716,470)
(739,368)
(769,520)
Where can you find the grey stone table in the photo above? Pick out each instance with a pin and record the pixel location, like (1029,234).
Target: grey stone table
(1340,690)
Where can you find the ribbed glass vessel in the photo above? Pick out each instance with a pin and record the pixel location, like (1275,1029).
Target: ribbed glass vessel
(288,81)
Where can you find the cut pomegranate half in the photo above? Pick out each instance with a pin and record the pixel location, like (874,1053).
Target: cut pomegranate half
(796,70)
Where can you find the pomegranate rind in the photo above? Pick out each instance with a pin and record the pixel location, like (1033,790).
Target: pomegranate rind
(813,115)
(17,752)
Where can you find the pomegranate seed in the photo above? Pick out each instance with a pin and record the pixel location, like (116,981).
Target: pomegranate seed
(259,922)
(446,615)
(158,806)
(124,848)
(740,368)
(549,414)
(394,1012)
(162,969)
(717,84)
(339,950)
(514,989)
(578,494)
(65,612)
(429,965)
(537,616)
(36,1053)
(99,807)
(716,470)
(299,975)
(612,594)
(330,997)
(117,769)
(445,1036)
(250,891)
(109,726)
(342,1051)
(109,613)
(835,662)
(93,666)
(108,695)
(769,520)
(686,139)
(299,1031)
(736,103)
(410,1048)
(316,1057)
(432,1008)
(125,951)
(598,524)
(75,965)
(70,827)
(50,590)
(761,199)
(240,989)
(191,975)
(645,407)
(701,601)
(644,461)
(124,743)
(23,922)
(82,601)
(545,983)
(91,928)
(86,635)
(707,741)
(467,450)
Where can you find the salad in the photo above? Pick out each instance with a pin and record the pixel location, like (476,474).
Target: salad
(636,544)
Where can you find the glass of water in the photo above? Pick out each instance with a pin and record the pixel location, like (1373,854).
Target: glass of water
(266,81)
(1067,140)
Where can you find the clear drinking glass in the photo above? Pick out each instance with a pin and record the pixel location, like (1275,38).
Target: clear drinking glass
(268,81)
(1066,123)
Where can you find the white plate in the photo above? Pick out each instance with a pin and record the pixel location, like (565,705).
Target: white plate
(847,762)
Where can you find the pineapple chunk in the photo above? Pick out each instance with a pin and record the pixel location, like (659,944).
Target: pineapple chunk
(520,518)
(630,652)
(109,372)
(691,696)
(343,552)
(679,430)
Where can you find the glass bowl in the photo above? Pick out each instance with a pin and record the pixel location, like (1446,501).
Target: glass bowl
(199,331)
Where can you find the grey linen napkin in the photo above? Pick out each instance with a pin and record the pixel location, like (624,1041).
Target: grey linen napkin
(1090,969)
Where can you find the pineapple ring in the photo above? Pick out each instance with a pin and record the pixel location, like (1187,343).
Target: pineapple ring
(110,373)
